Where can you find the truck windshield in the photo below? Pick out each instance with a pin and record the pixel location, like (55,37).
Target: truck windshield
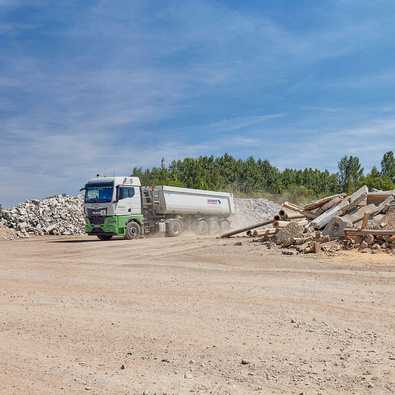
(98,194)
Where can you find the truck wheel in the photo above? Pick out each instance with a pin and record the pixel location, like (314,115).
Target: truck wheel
(202,227)
(132,230)
(213,228)
(104,237)
(224,227)
(174,228)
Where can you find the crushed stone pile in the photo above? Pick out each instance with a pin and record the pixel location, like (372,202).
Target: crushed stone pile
(253,211)
(58,215)
(6,233)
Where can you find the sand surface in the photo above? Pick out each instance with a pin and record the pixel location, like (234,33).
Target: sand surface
(192,315)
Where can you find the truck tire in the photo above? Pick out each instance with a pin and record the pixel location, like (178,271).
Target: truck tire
(132,230)
(224,227)
(213,227)
(202,227)
(174,228)
(104,237)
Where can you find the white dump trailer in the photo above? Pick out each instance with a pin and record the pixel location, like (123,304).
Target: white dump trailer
(121,206)
(181,201)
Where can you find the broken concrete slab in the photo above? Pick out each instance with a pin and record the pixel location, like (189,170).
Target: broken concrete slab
(286,236)
(336,226)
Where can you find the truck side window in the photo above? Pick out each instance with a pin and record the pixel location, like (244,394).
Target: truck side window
(125,192)
(130,192)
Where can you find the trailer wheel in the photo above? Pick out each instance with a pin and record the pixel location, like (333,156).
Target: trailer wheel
(213,227)
(202,227)
(224,227)
(132,230)
(104,237)
(174,228)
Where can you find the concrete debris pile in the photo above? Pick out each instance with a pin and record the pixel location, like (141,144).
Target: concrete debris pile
(58,215)
(363,220)
(7,233)
(253,210)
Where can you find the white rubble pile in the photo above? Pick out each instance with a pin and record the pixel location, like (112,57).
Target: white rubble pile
(253,211)
(6,233)
(58,215)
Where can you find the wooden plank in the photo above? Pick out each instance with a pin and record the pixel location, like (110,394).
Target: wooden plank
(321,202)
(292,207)
(365,220)
(237,231)
(336,200)
(374,232)
(294,215)
(378,197)
(264,232)
(280,224)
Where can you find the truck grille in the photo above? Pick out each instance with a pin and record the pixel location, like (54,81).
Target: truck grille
(97,220)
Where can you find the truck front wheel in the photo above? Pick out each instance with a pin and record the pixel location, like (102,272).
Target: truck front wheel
(132,230)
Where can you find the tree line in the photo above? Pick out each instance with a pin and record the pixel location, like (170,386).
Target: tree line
(258,178)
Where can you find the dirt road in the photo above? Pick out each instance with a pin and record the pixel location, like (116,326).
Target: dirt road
(189,315)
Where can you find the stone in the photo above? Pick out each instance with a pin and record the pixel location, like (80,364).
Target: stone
(364,244)
(55,215)
(336,226)
(245,362)
(370,239)
(286,236)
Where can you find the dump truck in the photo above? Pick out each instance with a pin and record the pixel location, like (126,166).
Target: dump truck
(116,206)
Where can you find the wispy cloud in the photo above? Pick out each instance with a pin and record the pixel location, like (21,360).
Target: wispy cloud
(94,87)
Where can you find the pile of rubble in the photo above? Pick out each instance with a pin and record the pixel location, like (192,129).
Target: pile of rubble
(363,220)
(7,233)
(249,211)
(58,215)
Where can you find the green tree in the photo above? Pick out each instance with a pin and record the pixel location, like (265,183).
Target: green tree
(388,166)
(350,172)
(374,179)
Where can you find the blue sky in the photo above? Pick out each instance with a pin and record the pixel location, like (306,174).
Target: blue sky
(100,86)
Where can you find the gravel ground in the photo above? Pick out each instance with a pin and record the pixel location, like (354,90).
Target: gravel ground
(192,315)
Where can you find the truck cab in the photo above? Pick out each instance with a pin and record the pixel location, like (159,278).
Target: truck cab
(110,204)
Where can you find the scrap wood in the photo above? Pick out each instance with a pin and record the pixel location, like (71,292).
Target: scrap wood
(321,202)
(262,232)
(378,197)
(292,207)
(364,232)
(247,228)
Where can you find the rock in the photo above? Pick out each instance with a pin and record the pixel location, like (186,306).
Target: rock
(245,362)
(370,239)
(55,215)
(336,226)
(286,236)
(253,211)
